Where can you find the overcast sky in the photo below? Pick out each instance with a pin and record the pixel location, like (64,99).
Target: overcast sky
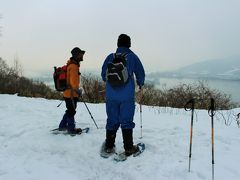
(166,34)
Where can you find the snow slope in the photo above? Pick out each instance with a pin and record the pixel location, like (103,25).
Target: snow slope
(29,151)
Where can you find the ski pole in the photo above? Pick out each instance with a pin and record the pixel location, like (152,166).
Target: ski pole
(238,115)
(192,102)
(211,113)
(140,104)
(59,104)
(89,112)
(238,121)
(141,120)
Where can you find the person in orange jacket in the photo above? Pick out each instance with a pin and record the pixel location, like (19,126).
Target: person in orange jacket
(72,93)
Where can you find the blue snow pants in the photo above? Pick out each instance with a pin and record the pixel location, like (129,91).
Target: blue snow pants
(120,113)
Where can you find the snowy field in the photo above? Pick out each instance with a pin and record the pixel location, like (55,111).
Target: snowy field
(29,151)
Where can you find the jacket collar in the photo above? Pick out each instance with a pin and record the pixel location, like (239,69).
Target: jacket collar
(123,50)
(73,61)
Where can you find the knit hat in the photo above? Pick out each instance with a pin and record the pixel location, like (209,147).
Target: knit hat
(76,51)
(124,41)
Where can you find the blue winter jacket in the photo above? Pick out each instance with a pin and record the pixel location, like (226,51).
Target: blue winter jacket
(134,66)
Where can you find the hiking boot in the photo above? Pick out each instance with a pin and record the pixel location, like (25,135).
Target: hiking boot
(127,138)
(109,150)
(131,151)
(75,131)
(110,138)
(106,152)
(128,142)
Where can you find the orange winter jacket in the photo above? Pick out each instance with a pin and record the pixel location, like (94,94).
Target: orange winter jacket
(73,79)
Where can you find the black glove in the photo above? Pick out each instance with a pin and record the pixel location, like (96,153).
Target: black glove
(140,85)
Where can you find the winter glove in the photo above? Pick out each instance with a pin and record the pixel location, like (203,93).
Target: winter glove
(79,92)
(140,85)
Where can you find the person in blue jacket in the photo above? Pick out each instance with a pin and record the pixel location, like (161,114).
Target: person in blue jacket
(120,101)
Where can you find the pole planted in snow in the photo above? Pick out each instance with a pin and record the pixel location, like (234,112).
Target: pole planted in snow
(141,120)
(211,113)
(140,104)
(89,112)
(192,102)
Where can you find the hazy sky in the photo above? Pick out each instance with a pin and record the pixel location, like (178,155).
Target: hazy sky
(166,34)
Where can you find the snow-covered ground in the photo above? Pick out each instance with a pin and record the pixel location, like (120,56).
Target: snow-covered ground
(28,151)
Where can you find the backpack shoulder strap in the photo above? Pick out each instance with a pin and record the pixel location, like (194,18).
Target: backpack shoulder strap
(125,54)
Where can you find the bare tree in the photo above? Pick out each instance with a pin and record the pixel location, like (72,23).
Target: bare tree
(17,67)
(3,67)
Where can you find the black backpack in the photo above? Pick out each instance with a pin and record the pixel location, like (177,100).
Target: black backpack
(117,73)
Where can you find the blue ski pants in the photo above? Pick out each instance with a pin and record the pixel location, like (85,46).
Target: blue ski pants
(120,113)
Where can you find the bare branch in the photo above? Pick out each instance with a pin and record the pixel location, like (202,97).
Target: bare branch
(17,67)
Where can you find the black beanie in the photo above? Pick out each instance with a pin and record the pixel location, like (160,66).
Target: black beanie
(76,51)
(124,41)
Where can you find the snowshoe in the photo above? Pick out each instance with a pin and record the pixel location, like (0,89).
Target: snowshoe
(77,131)
(131,151)
(107,152)
(135,151)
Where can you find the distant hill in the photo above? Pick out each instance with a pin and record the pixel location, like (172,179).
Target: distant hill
(227,68)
